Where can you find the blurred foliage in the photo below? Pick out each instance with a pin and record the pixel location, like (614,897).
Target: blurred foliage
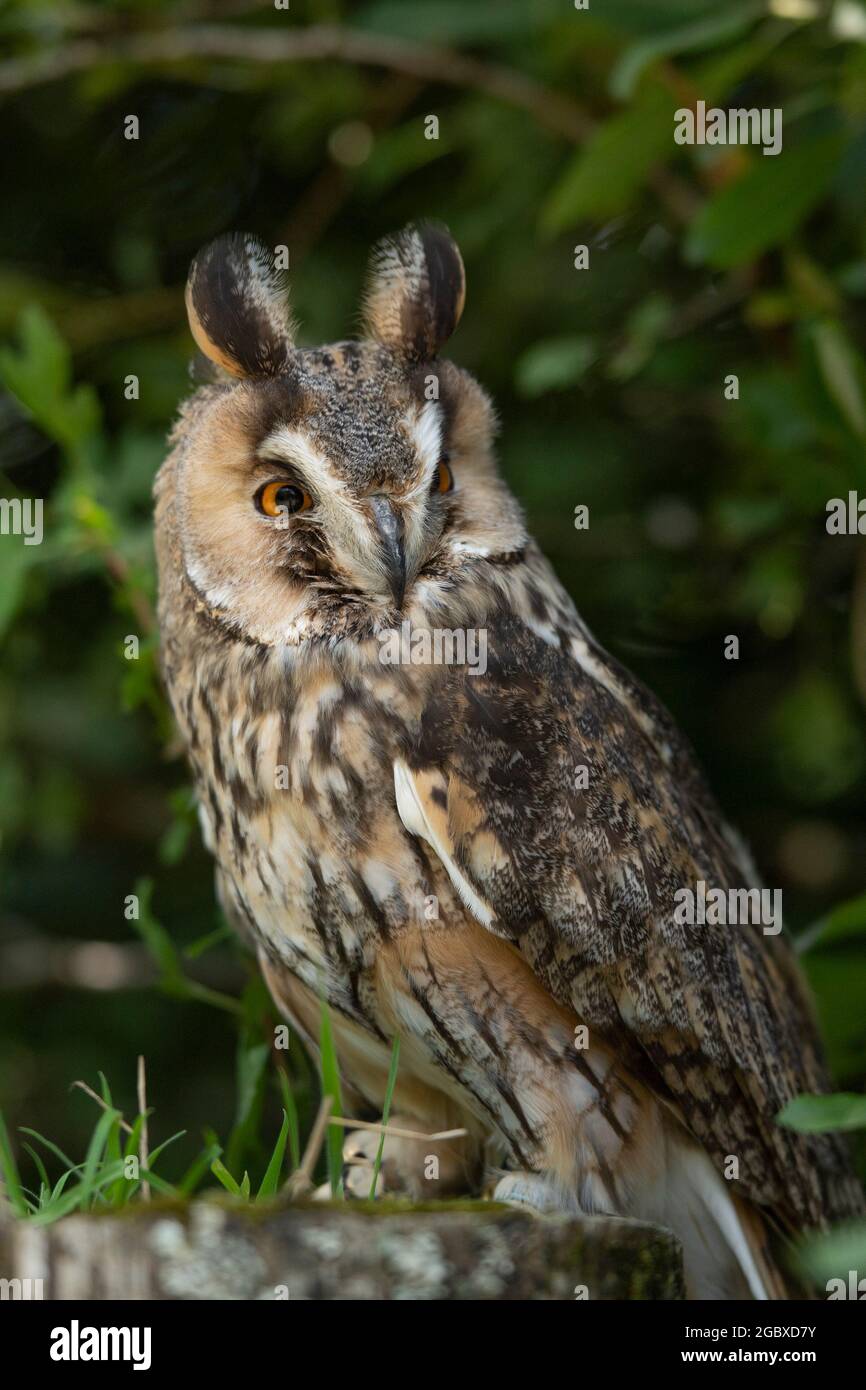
(707,514)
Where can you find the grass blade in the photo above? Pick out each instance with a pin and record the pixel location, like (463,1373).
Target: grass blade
(386,1110)
(125,1187)
(63,1180)
(9,1172)
(331,1087)
(291,1111)
(40,1168)
(200,1165)
(83,1193)
(155,1153)
(271,1180)
(168,1189)
(94,1157)
(222,1174)
(52,1148)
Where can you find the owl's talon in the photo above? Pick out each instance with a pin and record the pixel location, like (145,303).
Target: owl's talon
(531,1192)
(354,1150)
(358,1181)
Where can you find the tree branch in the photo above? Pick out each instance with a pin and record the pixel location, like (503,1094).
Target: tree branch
(316,43)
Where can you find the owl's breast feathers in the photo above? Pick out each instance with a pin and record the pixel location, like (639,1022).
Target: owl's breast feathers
(551,799)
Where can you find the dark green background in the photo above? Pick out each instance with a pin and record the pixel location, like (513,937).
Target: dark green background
(707,515)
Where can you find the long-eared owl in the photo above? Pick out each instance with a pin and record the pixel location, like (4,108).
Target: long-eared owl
(435,801)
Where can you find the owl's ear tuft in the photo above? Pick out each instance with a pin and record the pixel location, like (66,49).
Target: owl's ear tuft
(237,304)
(415,291)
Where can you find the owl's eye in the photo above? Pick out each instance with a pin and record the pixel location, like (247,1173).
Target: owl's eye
(275,499)
(443,478)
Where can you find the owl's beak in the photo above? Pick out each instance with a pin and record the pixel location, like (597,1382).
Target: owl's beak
(389,524)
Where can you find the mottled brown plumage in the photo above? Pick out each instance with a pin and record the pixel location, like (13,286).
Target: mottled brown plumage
(479,862)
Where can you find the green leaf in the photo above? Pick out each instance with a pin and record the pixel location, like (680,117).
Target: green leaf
(602,177)
(844,922)
(39,374)
(832,1256)
(817,737)
(838,980)
(553,364)
(841,372)
(173,980)
(820,1114)
(182,801)
(646,324)
(764,206)
(706,32)
(15,558)
(250,1066)
(251,1063)
(156,938)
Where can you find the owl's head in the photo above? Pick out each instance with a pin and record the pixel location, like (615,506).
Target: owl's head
(326,492)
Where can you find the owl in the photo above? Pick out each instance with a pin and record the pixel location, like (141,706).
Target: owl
(436,802)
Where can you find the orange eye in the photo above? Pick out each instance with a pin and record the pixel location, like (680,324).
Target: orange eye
(275,499)
(443,478)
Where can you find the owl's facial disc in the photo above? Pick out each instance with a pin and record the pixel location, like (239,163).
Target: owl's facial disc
(321,492)
(335,500)
(361,507)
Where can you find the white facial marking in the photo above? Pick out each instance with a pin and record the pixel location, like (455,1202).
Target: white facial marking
(217,595)
(425,431)
(467,548)
(287,445)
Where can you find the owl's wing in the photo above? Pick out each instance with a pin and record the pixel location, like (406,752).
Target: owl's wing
(568,811)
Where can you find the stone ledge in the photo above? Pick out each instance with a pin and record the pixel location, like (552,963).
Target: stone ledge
(211,1249)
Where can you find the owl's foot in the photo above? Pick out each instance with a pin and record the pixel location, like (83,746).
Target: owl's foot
(359,1156)
(359,1165)
(422,1169)
(398,1172)
(529,1192)
(416,1168)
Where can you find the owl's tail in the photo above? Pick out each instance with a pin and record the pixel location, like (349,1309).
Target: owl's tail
(725,1248)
